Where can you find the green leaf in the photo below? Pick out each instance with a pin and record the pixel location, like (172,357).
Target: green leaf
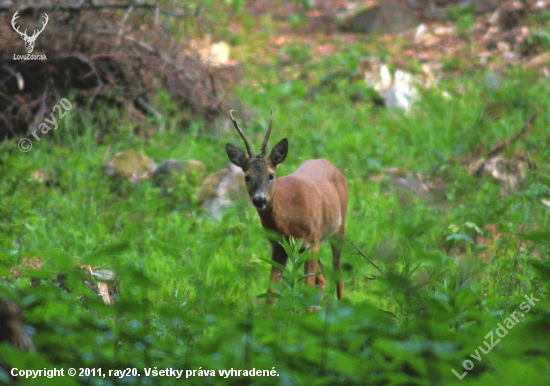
(537,237)
(269,295)
(459,236)
(8,291)
(542,268)
(111,250)
(272,263)
(305,276)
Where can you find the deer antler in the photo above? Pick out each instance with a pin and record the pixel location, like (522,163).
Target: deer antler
(44,23)
(15,16)
(264,144)
(246,143)
(24,34)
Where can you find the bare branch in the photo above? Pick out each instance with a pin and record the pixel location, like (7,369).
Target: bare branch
(140,43)
(17,76)
(366,257)
(503,145)
(121,31)
(143,104)
(116,50)
(89,5)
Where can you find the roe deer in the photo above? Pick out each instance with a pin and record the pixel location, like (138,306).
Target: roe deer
(309,204)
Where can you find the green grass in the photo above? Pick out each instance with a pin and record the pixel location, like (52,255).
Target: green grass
(190,284)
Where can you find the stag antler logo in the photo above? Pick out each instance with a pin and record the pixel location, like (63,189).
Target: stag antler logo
(29,40)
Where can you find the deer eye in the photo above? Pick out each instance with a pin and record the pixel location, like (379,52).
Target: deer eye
(247,178)
(271,177)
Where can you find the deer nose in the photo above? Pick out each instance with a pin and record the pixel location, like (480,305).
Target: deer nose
(259,201)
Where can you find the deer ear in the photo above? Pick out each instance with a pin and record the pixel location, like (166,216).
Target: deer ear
(236,155)
(279,152)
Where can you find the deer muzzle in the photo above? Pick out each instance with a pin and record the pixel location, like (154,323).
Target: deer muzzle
(259,200)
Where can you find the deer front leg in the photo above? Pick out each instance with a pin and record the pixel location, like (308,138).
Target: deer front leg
(320,278)
(278,255)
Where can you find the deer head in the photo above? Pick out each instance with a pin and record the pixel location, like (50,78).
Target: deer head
(29,40)
(259,170)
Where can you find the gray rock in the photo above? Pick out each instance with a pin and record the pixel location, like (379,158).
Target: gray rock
(131,165)
(222,189)
(370,16)
(174,173)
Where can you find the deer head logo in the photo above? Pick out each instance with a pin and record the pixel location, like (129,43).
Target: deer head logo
(29,40)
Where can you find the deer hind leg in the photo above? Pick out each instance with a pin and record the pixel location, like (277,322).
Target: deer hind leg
(315,277)
(312,268)
(336,244)
(312,271)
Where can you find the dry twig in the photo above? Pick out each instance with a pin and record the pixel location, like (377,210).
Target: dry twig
(503,145)
(366,257)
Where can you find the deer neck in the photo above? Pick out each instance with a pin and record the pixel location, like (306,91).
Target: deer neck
(269,215)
